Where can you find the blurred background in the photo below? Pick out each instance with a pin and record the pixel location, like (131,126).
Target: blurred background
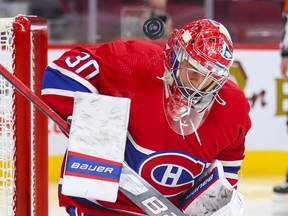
(98,21)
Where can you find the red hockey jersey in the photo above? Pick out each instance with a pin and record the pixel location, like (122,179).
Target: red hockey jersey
(169,162)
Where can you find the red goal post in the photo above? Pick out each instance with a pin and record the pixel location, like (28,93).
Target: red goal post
(23,128)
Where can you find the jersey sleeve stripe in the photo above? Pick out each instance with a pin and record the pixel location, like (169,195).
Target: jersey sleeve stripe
(231,175)
(231,169)
(60,92)
(53,79)
(235,163)
(73,76)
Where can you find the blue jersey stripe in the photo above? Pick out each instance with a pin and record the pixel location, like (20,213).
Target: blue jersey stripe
(229,169)
(54,79)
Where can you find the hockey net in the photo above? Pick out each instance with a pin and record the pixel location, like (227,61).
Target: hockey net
(23,128)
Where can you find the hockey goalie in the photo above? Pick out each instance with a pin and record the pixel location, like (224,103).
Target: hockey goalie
(171,114)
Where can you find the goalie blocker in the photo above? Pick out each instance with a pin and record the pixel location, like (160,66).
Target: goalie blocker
(99,125)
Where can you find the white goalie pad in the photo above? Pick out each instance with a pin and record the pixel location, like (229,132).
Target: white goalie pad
(214,196)
(96,146)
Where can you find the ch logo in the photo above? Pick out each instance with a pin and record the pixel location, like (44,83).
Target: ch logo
(171,172)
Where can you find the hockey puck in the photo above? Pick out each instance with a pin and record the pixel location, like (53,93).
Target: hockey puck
(153,28)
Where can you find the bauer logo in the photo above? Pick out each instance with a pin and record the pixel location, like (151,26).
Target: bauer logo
(204,184)
(92,167)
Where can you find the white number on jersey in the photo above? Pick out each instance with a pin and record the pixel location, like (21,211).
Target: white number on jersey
(82,64)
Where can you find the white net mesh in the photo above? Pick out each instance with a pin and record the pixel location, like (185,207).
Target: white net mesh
(7,148)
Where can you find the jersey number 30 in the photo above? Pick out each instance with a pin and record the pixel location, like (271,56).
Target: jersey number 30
(83,64)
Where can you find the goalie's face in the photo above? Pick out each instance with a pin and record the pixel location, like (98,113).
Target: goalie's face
(197,61)
(187,99)
(192,81)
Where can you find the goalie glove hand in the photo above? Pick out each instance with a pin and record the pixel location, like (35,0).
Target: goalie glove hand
(213,196)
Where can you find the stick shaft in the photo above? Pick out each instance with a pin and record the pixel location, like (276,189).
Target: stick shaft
(25,91)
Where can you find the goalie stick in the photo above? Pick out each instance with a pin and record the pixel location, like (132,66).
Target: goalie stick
(131,184)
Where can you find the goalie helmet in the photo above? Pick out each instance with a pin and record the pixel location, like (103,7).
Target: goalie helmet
(197,60)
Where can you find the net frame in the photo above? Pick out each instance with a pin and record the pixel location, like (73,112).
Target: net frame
(23,129)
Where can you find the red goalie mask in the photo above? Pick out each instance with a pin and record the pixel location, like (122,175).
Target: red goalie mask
(197,61)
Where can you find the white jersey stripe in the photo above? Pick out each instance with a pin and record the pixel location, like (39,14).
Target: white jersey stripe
(50,91)
(231,163)
(231,175)
(139,148)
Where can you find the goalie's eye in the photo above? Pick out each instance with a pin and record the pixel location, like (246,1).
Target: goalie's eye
(192,78)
